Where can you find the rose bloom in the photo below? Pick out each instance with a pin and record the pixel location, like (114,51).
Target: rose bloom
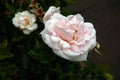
(25,21)
(69,37)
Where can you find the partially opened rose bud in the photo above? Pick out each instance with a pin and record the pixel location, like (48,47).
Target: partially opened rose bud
(25,21)
(38,12)
(69,37)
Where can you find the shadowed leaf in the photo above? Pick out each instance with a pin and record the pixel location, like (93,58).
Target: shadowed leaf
(4,54)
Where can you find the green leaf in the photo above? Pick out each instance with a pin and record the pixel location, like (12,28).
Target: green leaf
(108,76)
(19,9)
(4,54)
(10,7)
(25,61)
(4,43)
(42,54)
(71,1)
(17,37)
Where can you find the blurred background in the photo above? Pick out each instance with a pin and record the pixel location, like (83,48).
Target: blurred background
(105,15)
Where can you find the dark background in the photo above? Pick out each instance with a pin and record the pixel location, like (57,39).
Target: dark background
(105,15)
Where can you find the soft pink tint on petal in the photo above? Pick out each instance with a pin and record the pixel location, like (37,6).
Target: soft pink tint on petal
(74,20)
(63,34)
(63,44)
(75,48)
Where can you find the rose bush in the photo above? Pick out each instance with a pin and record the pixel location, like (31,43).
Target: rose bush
(25,21)
(69,37)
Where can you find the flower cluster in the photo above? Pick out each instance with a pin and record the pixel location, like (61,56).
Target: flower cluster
(69,37)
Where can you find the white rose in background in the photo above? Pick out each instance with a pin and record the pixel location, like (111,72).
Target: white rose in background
(25,21)
(69,37)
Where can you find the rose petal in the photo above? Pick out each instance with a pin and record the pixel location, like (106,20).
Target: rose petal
(63,34)
(90,28)
(47,40)
(33,18)
(60,53)
(74,48)
(81,57)
(69,17)
(51,24)
(60,19)
(25,31)
(50,12)
(15,19)
(79,17)
(69,52)
(55,39)
(64,44)
(33,27)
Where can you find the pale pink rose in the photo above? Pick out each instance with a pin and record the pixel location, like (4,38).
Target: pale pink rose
(25,21)
(69,37)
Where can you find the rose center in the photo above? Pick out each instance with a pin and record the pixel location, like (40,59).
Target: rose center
(77,30)
(26,22)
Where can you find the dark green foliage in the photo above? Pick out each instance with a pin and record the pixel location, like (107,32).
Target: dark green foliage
(4,54)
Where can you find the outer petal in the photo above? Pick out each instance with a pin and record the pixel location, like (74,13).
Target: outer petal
(32,27)
(50,12)
(50,25)
(60,54)
(47,40)
(92,43)
(32,17)
(70,17)
(15,19)
(25,31)
(90,27)
(92,35)
(81,57)
(55,39)
(62,19)
(69,52)
(79,17)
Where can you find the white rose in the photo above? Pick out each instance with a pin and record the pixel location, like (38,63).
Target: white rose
(25,21)
(69,37)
